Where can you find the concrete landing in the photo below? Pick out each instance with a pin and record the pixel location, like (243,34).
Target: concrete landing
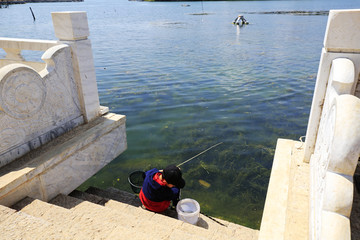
(86,215)
(286,211)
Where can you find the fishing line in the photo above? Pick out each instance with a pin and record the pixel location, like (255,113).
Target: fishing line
(199,154)
(213,219)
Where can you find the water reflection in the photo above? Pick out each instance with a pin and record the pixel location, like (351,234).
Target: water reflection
(237,34)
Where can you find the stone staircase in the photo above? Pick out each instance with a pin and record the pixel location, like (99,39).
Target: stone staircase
(107,214)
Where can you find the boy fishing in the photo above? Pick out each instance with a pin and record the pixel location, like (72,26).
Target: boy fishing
(160,187)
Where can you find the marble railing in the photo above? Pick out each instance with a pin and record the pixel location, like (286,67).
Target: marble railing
(333,134)
(49,108)
(13,48)
(40,100)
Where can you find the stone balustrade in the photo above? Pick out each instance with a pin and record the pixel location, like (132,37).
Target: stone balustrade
(13,48)
(54,134)
(40,100)
(333,133)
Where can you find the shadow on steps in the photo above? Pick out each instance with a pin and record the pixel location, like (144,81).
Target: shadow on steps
(104,214)
(101,197)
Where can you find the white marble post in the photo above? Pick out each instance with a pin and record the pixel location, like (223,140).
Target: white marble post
(72,28)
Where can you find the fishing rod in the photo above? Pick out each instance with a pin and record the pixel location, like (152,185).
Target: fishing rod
(136,178)
(199,154)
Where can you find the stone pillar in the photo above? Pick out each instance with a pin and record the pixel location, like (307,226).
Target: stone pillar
(72,28)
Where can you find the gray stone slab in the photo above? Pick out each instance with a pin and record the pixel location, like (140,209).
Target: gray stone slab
(88,197)
(116,194)
(65,201)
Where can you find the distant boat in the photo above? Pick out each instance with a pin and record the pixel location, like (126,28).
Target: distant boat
(240,24)
(185,5)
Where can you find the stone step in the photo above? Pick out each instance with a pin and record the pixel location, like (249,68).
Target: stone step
(5,212)
(89,197)
(19,225)
(148,218)
(89,216)
(116,194)
(134,219)
(113,204)
(206,226)
(132,208)
(73,225)
(148,222)
(128,200)
(106,219)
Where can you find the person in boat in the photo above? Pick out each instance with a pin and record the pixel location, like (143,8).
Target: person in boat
(160,187)
(240,20)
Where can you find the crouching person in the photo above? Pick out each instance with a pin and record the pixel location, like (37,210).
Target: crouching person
(160,187)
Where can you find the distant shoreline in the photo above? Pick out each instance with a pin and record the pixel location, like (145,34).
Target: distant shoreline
(302,13)
(11,2)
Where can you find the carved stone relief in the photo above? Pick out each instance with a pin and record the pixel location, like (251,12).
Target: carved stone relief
(34,105)
(22,92)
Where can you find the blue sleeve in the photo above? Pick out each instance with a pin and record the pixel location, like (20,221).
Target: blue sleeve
(154,192)
(175,191)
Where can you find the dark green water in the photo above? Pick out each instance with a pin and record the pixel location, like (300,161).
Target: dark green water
(187,81)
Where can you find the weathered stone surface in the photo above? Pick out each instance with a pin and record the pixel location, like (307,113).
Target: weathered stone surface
(343,31)
(70,25)
(88,197)
(334,226)
(274,215)
(24,226)
(36,108)
(333,164)
(115,194)
(332,138)
(66,217)
(72,28)
(5,212)
(286,212)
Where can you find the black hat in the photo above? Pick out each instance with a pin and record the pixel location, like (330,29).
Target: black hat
(173,175)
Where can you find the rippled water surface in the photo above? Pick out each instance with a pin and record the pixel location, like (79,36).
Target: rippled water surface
(188,80)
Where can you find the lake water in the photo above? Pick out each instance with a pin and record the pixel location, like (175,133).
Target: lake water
(188,80)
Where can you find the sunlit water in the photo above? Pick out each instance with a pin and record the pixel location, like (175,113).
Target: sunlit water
(188,80)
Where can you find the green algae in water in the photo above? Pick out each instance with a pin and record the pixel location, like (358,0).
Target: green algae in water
(234,190)
(236,172)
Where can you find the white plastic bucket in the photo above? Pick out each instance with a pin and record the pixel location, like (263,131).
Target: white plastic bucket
(188,210)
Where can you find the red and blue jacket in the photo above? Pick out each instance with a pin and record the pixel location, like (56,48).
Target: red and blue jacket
(155,195)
